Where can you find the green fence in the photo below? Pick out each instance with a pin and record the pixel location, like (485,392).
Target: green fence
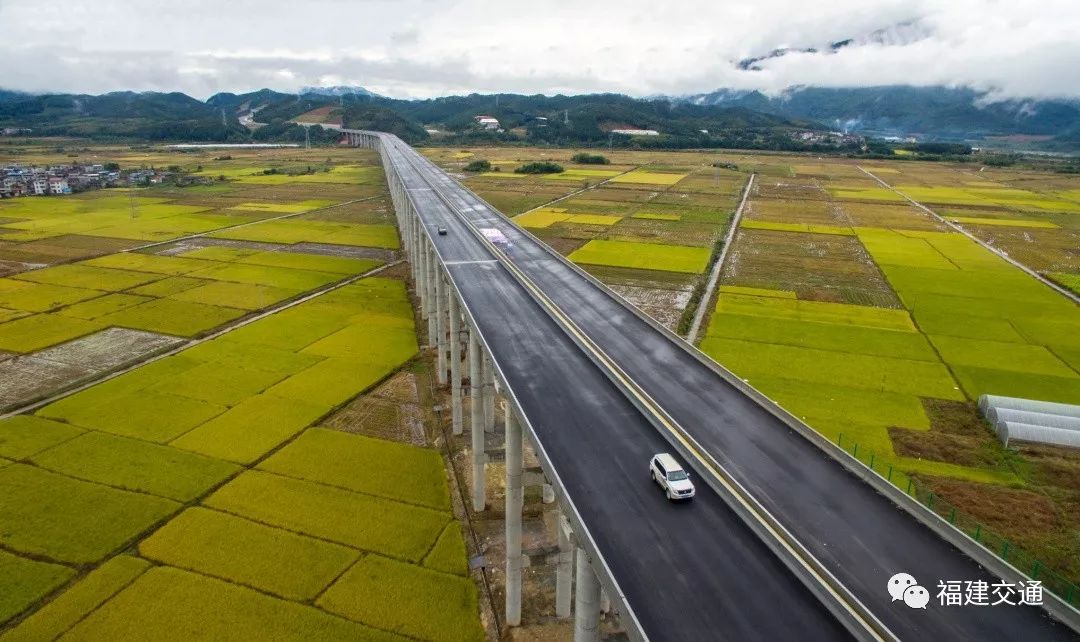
(1000,545)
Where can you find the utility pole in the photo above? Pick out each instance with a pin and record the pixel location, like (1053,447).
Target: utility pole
(307,137)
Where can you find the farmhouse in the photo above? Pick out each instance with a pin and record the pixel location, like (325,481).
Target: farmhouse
(487,122)
(59,185)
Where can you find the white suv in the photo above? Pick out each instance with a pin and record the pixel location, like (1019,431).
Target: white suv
(670,476)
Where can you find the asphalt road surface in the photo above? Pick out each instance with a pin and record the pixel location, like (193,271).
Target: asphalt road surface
(860,535)
(690,571)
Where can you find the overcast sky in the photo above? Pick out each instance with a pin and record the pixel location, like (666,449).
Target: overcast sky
(417,48)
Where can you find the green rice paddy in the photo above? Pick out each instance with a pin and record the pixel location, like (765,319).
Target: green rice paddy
(338,515)
(56,617)
(1004,222)
(128,510)
(402,597)
(751,224)
(643,256)
(166,603)
(254,547)
(45,515)
(970,324)
(24,435)
(102,306)
(132,464)
(27,581)
(640,176)
(1071,281)
(147,292)
(594,219)
(543,217)
(365,465)
(293,231)
(248,553)
(43,330)
(282,208)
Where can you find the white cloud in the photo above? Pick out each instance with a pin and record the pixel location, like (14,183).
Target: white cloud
(418,48)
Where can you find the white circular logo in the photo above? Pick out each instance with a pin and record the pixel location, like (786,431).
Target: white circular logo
(898,584)
(916,597)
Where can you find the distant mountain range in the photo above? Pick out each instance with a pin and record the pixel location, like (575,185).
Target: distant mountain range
(931,112)
(123,114)
(552,119)
(720,118)
(901,33)
(336,91)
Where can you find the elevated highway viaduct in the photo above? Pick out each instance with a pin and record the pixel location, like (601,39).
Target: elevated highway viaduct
(789,536)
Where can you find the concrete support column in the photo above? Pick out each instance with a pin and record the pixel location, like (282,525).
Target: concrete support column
(479,458)
(488,397)
(440,324)
(409,218)
(422,261)
(433,315)
(586,602)
(515,500)
(455,363)
(564,569)
(415,249)
(414,240)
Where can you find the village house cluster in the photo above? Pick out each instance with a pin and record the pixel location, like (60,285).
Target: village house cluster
(827,138)
(19,180)
(57,180)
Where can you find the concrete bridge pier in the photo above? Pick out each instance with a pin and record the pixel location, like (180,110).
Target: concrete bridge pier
(564,568)
(587,601)
(455,363)
(432,299)
(440,325)
(515,501)
(408,237)
(488,394)
(414,248)
(422,260)
(476,423)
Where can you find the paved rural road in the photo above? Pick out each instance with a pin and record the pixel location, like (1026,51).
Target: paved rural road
(860,535)
(690,572)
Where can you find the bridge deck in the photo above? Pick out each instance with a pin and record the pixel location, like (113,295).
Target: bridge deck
(690,572)
(860,535)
